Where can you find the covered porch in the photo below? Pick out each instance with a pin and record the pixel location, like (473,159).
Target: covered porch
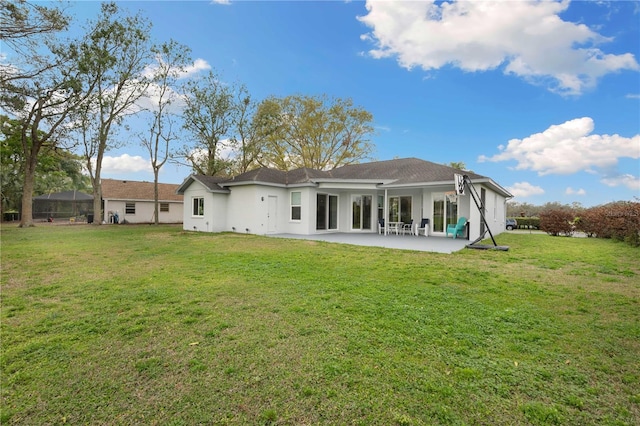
(397,242)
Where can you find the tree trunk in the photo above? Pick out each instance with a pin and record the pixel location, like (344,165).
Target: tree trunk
(26,217)
(155,195)
(97,199)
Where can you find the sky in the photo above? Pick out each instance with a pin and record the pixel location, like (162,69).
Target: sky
(542,97)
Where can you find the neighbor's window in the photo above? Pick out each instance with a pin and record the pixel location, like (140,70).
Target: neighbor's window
(198,206)
(296,205)
(164,207)
(130,208)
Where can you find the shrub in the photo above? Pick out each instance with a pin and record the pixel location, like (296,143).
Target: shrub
(619,221)
(528,222)
(557,221)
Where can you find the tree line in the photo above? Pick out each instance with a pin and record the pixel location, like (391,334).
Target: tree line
(65,95)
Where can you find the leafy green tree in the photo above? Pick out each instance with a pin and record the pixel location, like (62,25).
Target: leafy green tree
(247,139)
(313,131)
(40,89)
(460,165)
(57,169)
(113,57)
(209,115)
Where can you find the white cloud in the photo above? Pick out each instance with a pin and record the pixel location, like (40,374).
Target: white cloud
(571,191)
(197,66)
(568,148)
(524,189)
(633,96)
(527,39)
(630,181)
(223,2)
(125,163)
(172,99)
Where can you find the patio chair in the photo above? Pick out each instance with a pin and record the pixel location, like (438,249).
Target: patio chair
(424,227)
(380,226)
(458,228)
(407,227)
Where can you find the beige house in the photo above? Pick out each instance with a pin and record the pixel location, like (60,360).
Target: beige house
(133,202)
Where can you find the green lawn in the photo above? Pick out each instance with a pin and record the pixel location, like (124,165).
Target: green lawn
(153,325)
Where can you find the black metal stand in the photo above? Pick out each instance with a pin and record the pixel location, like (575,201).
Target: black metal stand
(476,200)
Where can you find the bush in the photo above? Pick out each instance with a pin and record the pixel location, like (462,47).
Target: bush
(619,221)
(557,221)
(528,222)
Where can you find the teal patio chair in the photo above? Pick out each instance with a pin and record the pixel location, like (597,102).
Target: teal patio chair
(458,229)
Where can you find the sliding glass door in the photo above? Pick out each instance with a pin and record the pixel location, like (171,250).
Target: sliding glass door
(361,210)
(445,210)
(326,212)
(400,209)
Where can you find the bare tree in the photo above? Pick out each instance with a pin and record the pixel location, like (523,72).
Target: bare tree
(172,59)
(26,27)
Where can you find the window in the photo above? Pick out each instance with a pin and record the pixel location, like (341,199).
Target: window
(296,205)
(130,208)
(400,209)
(164,207)
(198,206)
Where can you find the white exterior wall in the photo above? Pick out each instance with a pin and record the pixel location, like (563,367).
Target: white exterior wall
(144,211)
(494,214)
(215,210)
(247,209)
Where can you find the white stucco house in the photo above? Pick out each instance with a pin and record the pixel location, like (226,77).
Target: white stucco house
(350,199)
(133,202)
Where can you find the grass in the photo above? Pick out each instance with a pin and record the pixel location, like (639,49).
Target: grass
(140,324)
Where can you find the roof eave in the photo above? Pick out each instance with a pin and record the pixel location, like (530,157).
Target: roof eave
(192,178)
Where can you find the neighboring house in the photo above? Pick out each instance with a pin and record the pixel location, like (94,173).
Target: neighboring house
(133,202)
(347,199)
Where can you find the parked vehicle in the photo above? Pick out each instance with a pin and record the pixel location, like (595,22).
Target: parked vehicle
(511,224)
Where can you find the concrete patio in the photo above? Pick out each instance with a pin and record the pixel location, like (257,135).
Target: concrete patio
(399,242)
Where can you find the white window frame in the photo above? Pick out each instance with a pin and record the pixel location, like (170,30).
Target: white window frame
(295,205)
(200,207)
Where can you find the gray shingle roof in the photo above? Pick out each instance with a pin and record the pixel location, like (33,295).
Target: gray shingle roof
(403,171)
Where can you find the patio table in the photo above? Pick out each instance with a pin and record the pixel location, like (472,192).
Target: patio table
(395,227)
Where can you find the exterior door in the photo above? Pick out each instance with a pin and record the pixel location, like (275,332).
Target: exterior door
(445,211)
(326,212)
(361,212)
(272,214)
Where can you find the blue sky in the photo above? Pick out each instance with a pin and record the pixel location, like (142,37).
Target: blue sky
(542,97)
